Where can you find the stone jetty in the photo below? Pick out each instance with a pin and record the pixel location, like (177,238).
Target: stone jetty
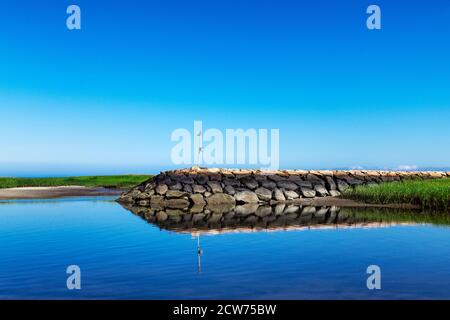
(198,187)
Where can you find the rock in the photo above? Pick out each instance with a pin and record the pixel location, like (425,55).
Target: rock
(290,195)
(321,190)
(188,188)
(144,203)
(187,180)
(260,178)
(149,186)
(215,186)
(176,186)
(279,195)
(157,200)
(174,212)
(249,182)
(295,178)
(232,182)
(168,181)
(161,189)
(269,185)
(314,179)
(171,194)
(308,193)
(161,216)
(220,198)
(177,203)
(342,185)
(126,199)
(197,199)
(197,208)
(304,184)
(230,190)
(264,194)
(144,195)
(201,179)
(334,193)
(215,176)
(198,189)
(331,185)
(207,194)
(352,181)
(246,197)
(287,185)
(275,177)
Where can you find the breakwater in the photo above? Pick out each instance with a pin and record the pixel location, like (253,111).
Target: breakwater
(198,187)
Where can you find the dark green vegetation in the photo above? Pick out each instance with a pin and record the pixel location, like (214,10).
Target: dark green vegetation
(120,182)
(429,194)
(395,216)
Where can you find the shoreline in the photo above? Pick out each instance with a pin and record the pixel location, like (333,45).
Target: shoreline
(24,193)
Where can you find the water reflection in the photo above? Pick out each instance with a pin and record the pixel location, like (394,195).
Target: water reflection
(253,217)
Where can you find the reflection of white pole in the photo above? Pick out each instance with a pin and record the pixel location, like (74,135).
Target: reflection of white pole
(199,253)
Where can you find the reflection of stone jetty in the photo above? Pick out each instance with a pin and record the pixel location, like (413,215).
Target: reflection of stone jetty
(181,189)
(254,217)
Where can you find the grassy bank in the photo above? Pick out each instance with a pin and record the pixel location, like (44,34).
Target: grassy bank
(429,194)
(122,181)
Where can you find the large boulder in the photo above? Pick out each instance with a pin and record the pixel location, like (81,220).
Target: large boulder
(220,198)
(287,185)
(246,196)
(290,195)
(308,193)
(279,195)
(264,194)
(197,199)
(215,187)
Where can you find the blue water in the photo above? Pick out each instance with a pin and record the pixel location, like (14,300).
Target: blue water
(121,256)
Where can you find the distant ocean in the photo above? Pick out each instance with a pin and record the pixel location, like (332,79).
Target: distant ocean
(62,170)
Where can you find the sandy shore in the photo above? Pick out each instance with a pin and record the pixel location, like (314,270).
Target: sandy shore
(55,192)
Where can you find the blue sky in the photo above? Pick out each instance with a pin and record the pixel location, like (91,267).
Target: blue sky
(106,98)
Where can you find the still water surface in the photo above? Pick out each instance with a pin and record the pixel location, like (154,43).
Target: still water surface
(125,255)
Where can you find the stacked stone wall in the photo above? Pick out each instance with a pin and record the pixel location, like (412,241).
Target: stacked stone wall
(197,187)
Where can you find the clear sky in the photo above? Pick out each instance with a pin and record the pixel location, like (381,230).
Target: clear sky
(106,98)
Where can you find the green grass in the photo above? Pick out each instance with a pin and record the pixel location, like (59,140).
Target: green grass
(120,182)
(429,194)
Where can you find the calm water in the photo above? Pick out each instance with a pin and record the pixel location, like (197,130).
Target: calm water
(123,256)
